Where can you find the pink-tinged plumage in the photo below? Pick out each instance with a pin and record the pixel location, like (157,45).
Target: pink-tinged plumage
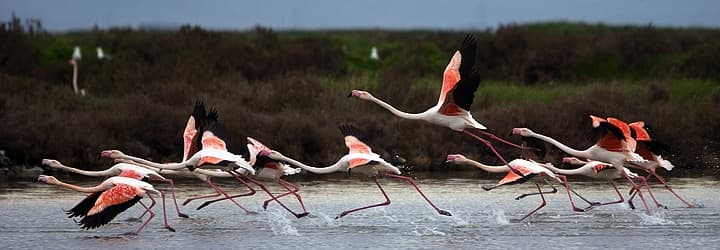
(108,199)
(460,81)
(359,160)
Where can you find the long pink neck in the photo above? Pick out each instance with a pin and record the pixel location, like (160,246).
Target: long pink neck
(489,169)
(395,111)
(98,188)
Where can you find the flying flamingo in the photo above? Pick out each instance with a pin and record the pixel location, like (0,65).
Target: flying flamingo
(611,147)
(108,199)
(269,169)
(530,171)
(124,170)
(595,170)
(460,81)
(360,160)
(650,150)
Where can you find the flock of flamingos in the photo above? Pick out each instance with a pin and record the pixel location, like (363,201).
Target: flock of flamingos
(205,155)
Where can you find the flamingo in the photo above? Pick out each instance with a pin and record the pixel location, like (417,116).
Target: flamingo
(108,199)
(121,169)
(650,150)
(195,136)
(460,81)
(206,153)
(360,160)
(269,169)
(611,147)
(595,170)
(76,57)
(530,171)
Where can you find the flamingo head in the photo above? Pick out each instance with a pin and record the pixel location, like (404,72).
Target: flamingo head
(111,154)
(265,152)
(360,94)
(47,179)
(455,158)
(572,160)
(522,131)
(51,163)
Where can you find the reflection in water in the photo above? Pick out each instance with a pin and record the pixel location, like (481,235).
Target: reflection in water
(33,217)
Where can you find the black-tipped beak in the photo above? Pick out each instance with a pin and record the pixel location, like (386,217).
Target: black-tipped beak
(350,95)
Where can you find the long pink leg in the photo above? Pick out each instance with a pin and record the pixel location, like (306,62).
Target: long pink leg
(487,143)
(567,189)
(412,182)
(251,192)
(387,202)
(495,137)
(152,215)
(144,212)
(152,204)
(667,186)
(633,192)
(647,208)
(167,226)
(262,186)
(621,199)
(539,207)
(219,192)
(172,192)
(291,189)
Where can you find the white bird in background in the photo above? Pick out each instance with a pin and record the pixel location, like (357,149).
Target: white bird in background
(374,53)
(101,54)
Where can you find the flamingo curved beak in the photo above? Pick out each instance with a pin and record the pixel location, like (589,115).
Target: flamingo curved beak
(42,178)
(567,159)
(106,153)
(516,131)
(451,158)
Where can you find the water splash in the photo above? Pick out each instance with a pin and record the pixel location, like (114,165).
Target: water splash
(427,231)
(280,224)
(499,216)
(322,220)
(656,218)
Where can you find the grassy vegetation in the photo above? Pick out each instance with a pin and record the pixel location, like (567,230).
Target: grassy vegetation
(289,90)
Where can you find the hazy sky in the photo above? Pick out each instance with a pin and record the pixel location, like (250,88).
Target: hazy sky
(59,15)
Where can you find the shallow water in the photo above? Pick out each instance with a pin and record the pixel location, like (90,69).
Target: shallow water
(32,217)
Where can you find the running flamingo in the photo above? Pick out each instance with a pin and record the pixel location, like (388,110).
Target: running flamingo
(194,136)
(595,170)
(361,160)
(207,154)
(107,200)
(531,171)
(460,81)
(611,147)
(268,169)
(650,150)
(124,170)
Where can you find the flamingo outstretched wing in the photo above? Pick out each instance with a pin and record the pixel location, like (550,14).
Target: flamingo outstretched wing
(109,204)
(514,178)
(213,137)
(460,80)
(611,137)
(355,144)
(193,129)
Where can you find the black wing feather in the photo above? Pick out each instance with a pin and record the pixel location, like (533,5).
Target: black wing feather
(213,125)
(657,147)
(606,127)
(82,208)
(105,216)
(464,91)
(350,130)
